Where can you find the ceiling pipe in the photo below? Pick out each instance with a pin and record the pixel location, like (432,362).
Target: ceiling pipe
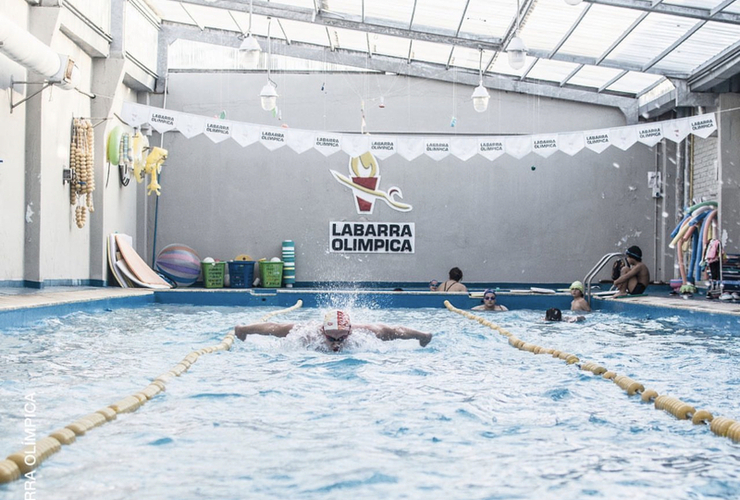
(28,51)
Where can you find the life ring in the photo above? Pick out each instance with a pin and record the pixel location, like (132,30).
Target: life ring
(114,145)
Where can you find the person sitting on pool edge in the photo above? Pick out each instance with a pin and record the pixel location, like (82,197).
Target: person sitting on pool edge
(578,303)
(555,314)
(489,302)
(635,276)
(335,330)
(453,284)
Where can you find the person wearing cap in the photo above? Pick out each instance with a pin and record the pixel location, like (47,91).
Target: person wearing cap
(635,276)
(489,302)
(433,285)
(335,330)
(578,303)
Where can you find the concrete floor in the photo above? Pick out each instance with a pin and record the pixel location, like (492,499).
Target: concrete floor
(18,298)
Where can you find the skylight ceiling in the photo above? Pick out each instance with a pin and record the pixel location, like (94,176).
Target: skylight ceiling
(610,47)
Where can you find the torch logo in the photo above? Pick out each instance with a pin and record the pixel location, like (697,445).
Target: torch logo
(364,180)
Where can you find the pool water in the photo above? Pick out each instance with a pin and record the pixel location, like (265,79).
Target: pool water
(467,417)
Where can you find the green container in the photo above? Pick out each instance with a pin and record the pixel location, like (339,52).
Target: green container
(213,274)
(271,274)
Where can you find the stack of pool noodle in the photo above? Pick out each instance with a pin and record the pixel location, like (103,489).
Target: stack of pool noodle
(693,235)
(288,263)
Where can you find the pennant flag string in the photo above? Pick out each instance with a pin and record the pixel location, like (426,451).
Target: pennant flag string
(411,146)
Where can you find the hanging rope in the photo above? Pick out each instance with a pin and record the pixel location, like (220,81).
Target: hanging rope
(31,456)
(720,426)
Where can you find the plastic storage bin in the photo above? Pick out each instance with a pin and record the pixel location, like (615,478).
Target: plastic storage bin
(271,274)
(213,274)
(241,273)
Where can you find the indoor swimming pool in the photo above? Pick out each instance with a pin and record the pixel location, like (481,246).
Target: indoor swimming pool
(466,417)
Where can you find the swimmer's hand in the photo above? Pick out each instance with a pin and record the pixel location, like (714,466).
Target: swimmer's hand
(424,339)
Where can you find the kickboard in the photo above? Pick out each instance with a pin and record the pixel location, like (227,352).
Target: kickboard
(113,257)
(628,296)
(542,290)
(136,264)
(123,267)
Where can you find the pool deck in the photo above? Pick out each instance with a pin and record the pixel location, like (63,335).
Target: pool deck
(19,298)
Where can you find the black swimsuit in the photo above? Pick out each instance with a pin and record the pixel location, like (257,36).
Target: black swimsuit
(639,288)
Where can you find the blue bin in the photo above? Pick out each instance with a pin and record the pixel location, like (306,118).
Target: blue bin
(241,273)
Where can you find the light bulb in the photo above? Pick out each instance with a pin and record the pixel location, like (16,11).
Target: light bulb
(251,47)
(480,98)
(517,53)
(268,97)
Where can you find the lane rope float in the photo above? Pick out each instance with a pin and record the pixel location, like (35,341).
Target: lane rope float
(31,456)
(721,426)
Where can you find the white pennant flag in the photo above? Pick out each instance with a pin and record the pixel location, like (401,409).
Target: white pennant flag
(464,148)
(436,148)
(490,147)
(217,130)
(162,120)
(189,125)
(703,125)
(597,140)
(382,146)
(518,146)
(299,141)
(677,130)
(571,143)
(135,114)
(245,133)
(410,147)
(649,134)
(272,137)
(545,144)
(623,137)
(355,144)
(327,144)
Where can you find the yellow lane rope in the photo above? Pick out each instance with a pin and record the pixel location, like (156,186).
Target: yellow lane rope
(720,426)
(31,456)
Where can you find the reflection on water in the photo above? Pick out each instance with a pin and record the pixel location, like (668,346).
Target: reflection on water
(466,417)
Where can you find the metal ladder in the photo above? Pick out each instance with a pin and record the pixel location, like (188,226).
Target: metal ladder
(595,270)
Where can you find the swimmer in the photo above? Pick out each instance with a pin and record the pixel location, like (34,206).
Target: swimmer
(453,284)
(555,314)
(335,330)
(579,303)
(635,276)
(433,285)
(489,302)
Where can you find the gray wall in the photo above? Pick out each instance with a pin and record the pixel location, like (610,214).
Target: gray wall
(532,220)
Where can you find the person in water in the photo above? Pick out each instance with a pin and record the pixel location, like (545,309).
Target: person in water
(634,277)
(489,302)
(454,283)
(578,303)
(555,314)
(335,330)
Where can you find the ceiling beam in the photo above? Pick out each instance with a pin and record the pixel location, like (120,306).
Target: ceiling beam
(354,23)
(674,10)
(717,69)
(172,31)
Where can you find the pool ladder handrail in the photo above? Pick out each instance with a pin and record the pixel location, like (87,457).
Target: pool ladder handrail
(595,270)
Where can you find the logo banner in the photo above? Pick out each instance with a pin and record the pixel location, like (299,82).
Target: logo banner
(436,148)
(597,140)
(217,130)
(703,125)
(571,143)
(371,237)
(490,148)
(545,144)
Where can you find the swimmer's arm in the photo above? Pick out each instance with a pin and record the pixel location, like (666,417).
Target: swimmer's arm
(384,332)
(274,329)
